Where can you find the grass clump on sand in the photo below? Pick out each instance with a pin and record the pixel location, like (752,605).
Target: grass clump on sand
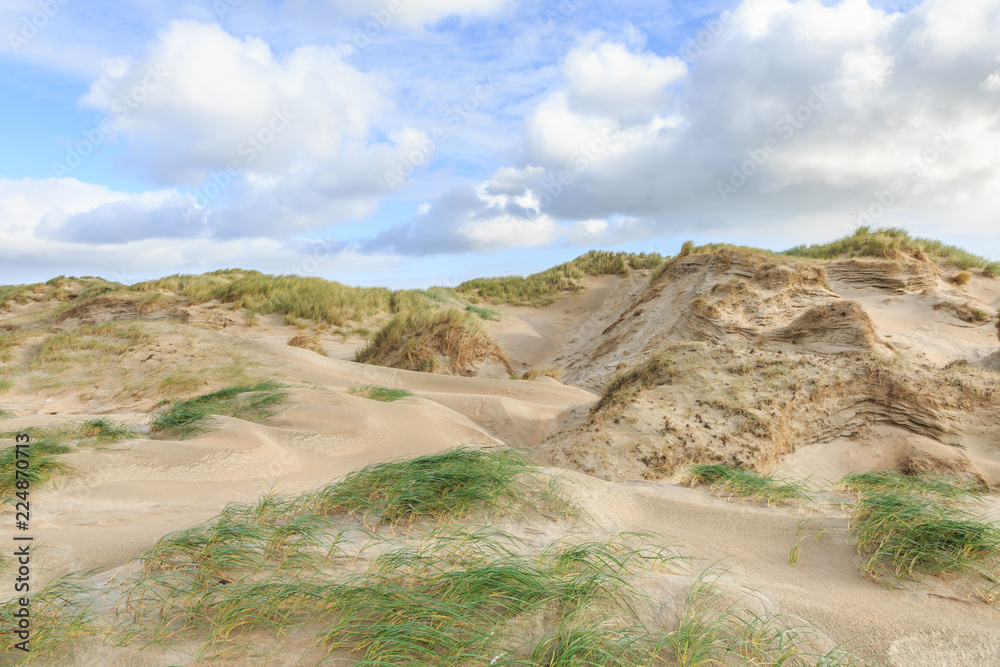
(443,339)
(484,312)
(540,371)
(43,457)
(384,394)
(539,289)
(656,369)
(748,484)
(62,612)
(893,243)
(455,483)
(891,481)
(251,402)
(915,525)
(911,535)
(107,431)
(711,631)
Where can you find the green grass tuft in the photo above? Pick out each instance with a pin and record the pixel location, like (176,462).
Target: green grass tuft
(43,458)
(910,536)
(889,481)
(250,402)
(484,312)
(748,484)
(451,484)
(384,394)
(107,431)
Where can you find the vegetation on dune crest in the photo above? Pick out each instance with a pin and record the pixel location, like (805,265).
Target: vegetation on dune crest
(312,299)
(252,402)
(894,243)
(429,341)
(539,289)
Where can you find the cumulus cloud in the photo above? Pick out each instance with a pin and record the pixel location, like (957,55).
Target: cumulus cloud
(201,98)
(796,120)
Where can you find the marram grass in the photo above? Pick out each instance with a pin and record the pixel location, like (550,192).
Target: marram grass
(912,536)
(252,402)
(889,481)
(383,394)
(727,480)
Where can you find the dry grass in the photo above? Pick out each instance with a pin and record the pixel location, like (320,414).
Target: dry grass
(656,369)
(307,342)
(553,372)
(962,278)
(443,340)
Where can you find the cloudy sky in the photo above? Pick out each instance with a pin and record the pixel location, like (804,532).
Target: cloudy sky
(419,142)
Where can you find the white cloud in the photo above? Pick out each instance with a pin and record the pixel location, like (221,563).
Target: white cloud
(201,98)
(607,79)
(869,68)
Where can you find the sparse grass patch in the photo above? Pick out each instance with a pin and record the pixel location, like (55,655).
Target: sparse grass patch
(62,612)
(484,312)
(711,632)
(107,431)
(748,484)
(540,371)
(384,394)
(6,384)
(9,341)
(251,402)
(103,343)
(430,341)
(656,369)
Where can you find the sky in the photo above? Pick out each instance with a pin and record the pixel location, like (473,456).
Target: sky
(413,143)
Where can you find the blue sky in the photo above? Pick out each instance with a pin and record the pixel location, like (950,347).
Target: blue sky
(412,143)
